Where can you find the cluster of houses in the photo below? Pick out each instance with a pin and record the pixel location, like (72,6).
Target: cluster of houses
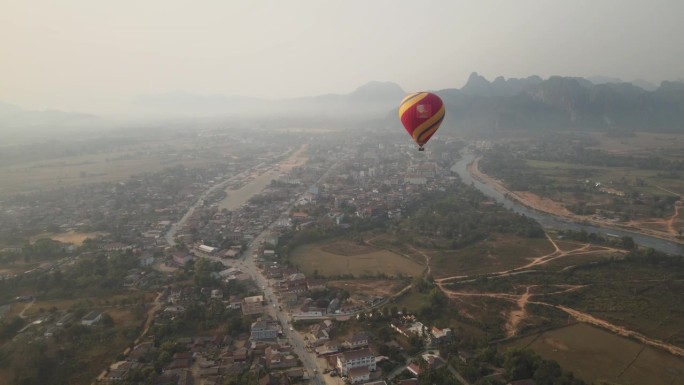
(211,359)
(408,325)
(376,181)
(352,358)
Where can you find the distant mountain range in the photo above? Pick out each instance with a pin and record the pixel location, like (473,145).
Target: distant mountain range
(563,102)
(599,102)
(16,118)
(365,102)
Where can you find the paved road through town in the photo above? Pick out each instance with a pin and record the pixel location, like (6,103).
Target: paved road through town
(247,263)
(170,235)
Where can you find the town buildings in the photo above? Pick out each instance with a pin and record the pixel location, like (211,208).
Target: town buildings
(361,358)
(252,305)
(264,329)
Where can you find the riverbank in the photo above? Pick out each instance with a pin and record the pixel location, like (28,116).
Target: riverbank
(550,207)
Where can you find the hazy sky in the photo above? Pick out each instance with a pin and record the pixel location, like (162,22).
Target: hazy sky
(96,55)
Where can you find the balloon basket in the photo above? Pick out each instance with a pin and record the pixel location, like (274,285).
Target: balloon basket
(421,149)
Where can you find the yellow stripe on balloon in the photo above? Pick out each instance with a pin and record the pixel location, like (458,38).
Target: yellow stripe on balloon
(426,125)
(409,96)
(428,135)
(414,98)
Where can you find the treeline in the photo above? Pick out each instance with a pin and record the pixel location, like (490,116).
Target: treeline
(517,175)
(460,217)
(41,250)
(625,242)
(509,163)
(95,274)
(520,364)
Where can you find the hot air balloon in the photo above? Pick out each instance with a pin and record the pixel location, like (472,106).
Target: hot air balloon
(421,113)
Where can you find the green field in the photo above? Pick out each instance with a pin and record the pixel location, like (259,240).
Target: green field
(82,169)
(593,354)
(338,261)
(620,178)
(75,163)
(411,300)
(497,253)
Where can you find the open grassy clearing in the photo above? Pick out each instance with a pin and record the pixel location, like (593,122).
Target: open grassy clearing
(568,245)
(368,287)
(642,143)
(410,300)
(576,260)
(653,308)
(668,328)
(391,242)
(93,359)
(346,247)
(619,178)
(313,258)
(484,310)
(114,303)
(145,154)
(641,296)
(593,354)
(499,252)
(17,267)
(60,174)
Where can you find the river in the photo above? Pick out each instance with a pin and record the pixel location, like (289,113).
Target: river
(552,222)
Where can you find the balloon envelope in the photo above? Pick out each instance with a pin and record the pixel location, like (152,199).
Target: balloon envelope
(421,113)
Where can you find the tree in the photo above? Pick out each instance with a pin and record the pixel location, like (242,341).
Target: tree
(107,320)
(520,364)
(547,372)
(628,242)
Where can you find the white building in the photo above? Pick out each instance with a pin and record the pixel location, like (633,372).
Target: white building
(362,358)
(206,249)
(359,375)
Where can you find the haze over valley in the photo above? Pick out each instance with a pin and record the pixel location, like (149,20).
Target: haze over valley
(320,193)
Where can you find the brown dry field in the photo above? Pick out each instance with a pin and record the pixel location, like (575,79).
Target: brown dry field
(123,317)
(593,354)
(314,257)
(74,237)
